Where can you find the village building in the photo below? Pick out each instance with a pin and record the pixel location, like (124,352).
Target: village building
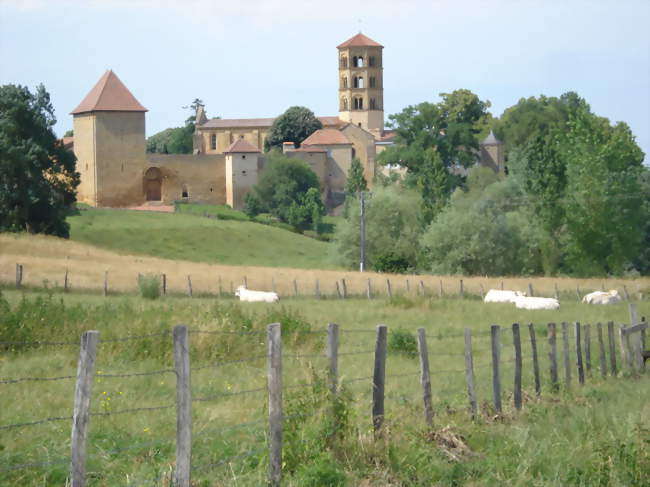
(227,157)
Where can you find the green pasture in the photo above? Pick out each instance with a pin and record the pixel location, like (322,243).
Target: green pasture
(190,236)
(591,435)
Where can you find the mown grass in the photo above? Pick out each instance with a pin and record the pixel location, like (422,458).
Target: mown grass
(194,238)
(591,435)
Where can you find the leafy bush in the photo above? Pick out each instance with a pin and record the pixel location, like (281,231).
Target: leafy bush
(403,342)
(149,286)
(391,262)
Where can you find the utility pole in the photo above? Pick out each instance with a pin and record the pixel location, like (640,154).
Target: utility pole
(362,265)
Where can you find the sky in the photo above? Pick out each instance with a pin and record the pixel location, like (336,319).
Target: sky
(256,58)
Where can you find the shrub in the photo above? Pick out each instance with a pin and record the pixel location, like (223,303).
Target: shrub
(149,286)
(391,262)
(322,472)
(403,342)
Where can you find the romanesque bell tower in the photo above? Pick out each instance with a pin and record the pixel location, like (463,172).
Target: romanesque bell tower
(361,83)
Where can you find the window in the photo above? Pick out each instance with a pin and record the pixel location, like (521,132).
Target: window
(241,136)
(344,62)
(371,61)
(357,61)
(358,81)
(344,103)
(213,142)
(373,82)
(354,153)
(344,82)
(373,104)
(358,103)
(243,172)
(243,157)
(184,193)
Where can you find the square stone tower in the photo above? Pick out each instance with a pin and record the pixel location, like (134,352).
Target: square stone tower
(109,142)
(242,159)
(361,83)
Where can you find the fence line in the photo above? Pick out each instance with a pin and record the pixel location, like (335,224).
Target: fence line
(275,387)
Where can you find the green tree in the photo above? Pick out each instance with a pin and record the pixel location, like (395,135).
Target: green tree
(604,205)
(294,125)
(284,191)
(38,180)
(177,140)
(356,182)
(69,133)
(393,226)
(308,211)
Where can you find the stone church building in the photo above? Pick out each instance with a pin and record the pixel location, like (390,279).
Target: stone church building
(227,160)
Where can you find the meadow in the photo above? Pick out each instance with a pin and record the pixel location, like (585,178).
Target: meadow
(595,434)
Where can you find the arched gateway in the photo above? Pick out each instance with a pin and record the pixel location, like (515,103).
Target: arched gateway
(153,184)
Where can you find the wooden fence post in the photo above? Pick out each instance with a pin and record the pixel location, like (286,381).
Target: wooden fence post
(442,291)
(482,291)
(516,341)
(295,288)
(338,290)
(565,353)
(625,359)
(274,342)
(220,287)
(495,334)
(502,285)
(245,282)
(369,290)
(601,350)
(273,284)
(627,295)
(631,308)
(462,289)
(388,289)
(345,289)
(317,289)
(333,355)
(587,341)
(578,293)
(189,285)
(469,372)
(106,283)
(408,287)
(19,276)
(425,376)
(65,281)
(232,290)
(422,293)
(164,284)
(81,414)
(183,406)
(557,293)
(379,379)
(531,292)
(533,346)
(579,365)
(552,356)
(612,347)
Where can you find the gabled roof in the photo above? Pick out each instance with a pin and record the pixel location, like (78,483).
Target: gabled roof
(217,123)
(359,40)
(110,95)
(310,149)
(326,137)
(240,146)
(491,139)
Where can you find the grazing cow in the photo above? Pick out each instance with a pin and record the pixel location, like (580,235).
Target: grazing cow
(526,302)
(602,297)
(498,296)
(256,296)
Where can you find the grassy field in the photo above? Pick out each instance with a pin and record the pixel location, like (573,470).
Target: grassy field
(191,237)
(592,435)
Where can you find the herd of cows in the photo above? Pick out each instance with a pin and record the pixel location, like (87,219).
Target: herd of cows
(519,299)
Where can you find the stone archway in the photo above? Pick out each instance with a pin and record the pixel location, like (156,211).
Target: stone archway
(153,184)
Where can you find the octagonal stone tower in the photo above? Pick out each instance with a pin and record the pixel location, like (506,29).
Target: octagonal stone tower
(361,83)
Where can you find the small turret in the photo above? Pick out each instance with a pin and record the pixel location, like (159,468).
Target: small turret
(492,153)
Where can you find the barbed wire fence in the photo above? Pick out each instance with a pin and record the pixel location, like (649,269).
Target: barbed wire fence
(488,345)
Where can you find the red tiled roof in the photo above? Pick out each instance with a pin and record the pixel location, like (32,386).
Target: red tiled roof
(241,146)
(359,40)
(387,135)
(109,94)
(327,137)
(309,148)
(217,123)
(67,142)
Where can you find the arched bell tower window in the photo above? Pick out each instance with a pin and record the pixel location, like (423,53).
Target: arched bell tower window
(373,104)
(357,61)
(358,81)
(344,62)
(358,103)
(344,103)
(344,82)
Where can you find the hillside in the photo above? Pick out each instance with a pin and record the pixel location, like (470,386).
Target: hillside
(197,239)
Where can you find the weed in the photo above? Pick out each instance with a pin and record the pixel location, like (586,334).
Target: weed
(149,285)
(403,342)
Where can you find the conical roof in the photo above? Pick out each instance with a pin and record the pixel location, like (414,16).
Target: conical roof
(491,139)
(359,40)
(110,95)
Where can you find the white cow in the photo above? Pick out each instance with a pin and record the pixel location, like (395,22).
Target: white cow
(602,297)
(529,302)
(498,296)
(256,296)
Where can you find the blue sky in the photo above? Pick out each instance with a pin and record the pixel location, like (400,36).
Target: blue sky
(255,58)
